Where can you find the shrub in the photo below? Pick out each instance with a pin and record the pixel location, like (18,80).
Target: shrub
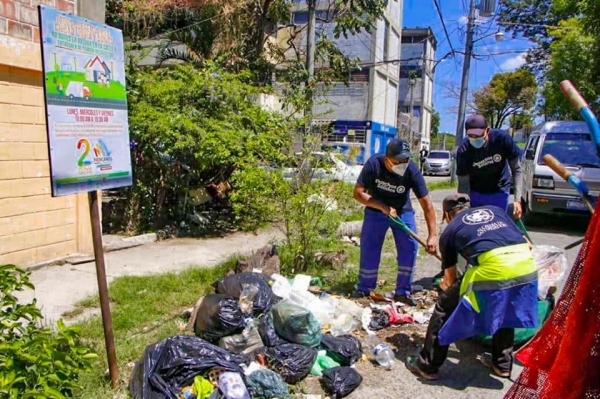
(35,362)
(192,127)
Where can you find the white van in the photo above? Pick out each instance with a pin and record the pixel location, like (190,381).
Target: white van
(544,191)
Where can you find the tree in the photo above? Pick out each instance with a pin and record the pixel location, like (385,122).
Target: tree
(520,120)
(589,13)
(193,128)
(531,19)
(572,57)
(452,91)
(435,124)
(507,94)
(237,33)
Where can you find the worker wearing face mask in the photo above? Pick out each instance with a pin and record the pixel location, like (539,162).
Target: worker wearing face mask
(384,187)
(484,164)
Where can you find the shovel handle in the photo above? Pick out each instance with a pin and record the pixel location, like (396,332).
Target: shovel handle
(573,95)
(557,167)
(569,177)
(411,233)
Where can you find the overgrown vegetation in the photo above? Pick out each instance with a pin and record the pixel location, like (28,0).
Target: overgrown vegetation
(567,41)
(196,128)
(36,362)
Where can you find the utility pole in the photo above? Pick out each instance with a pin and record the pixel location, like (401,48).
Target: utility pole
(412,84)
(310,59)
(464,87)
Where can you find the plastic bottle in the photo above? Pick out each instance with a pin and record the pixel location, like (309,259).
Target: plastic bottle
(379,351)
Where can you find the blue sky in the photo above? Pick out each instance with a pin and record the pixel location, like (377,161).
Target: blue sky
(497,56)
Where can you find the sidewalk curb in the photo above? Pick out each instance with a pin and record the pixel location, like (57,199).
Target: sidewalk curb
(114,244)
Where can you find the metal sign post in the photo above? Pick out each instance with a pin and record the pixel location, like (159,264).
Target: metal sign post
(86,118)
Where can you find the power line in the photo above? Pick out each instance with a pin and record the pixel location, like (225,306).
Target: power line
(439,11)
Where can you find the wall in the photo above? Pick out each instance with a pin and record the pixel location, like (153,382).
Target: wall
(345,102)
(34,227)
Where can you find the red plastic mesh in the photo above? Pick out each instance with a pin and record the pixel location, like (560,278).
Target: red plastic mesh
(563,360)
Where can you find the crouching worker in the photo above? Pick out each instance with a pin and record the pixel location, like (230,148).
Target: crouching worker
(384,187)
(494,296)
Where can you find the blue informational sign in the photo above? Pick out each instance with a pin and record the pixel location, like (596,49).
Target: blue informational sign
(86,103)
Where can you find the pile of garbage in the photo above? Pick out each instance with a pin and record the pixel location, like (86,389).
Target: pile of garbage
(253,336)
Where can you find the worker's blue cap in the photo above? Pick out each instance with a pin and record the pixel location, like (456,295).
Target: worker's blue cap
(475,125)
(399,149)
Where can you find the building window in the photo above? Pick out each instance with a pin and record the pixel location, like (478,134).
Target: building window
(301,17)
(386,42)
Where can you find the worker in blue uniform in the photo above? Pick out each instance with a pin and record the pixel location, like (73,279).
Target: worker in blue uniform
(384,187)
(497,294)
(484,164)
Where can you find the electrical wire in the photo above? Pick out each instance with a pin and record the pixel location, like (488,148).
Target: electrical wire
(439,11)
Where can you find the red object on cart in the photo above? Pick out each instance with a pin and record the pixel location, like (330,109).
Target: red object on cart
(563,359)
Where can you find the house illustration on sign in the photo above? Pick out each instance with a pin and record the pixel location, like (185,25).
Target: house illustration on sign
(97,71)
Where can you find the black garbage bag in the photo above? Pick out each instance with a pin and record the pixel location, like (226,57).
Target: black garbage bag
(267,332)
(345,349)
(267,384)
(218,316)
(379,320)
(234,284)
(292,361)
(340,381)
(172,364)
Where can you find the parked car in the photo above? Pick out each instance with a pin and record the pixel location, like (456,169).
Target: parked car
(327,166)
(438,162)
(544,191)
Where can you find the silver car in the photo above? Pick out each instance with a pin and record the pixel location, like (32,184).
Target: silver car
(544,191)
(438,162)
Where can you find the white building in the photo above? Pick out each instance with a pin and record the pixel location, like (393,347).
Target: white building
(418,55)
(363,114)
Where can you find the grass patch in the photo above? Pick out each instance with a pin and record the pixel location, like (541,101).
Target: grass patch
(441,185)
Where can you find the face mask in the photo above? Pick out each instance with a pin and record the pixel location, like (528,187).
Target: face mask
(477,143)
(400,169)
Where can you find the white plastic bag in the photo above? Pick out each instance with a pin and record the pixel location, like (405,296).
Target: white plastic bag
(552,266)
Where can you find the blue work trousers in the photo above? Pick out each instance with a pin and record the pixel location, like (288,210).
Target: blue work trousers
(499,199)
(372,236)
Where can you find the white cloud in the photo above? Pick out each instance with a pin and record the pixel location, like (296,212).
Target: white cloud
(462,21)
(513,63)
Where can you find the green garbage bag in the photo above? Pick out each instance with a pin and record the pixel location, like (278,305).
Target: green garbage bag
(267,384)
(523,335)
(296,324)
(323,362)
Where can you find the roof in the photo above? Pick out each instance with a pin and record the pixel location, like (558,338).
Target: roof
(416,31)
(561,127)
(92,61)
